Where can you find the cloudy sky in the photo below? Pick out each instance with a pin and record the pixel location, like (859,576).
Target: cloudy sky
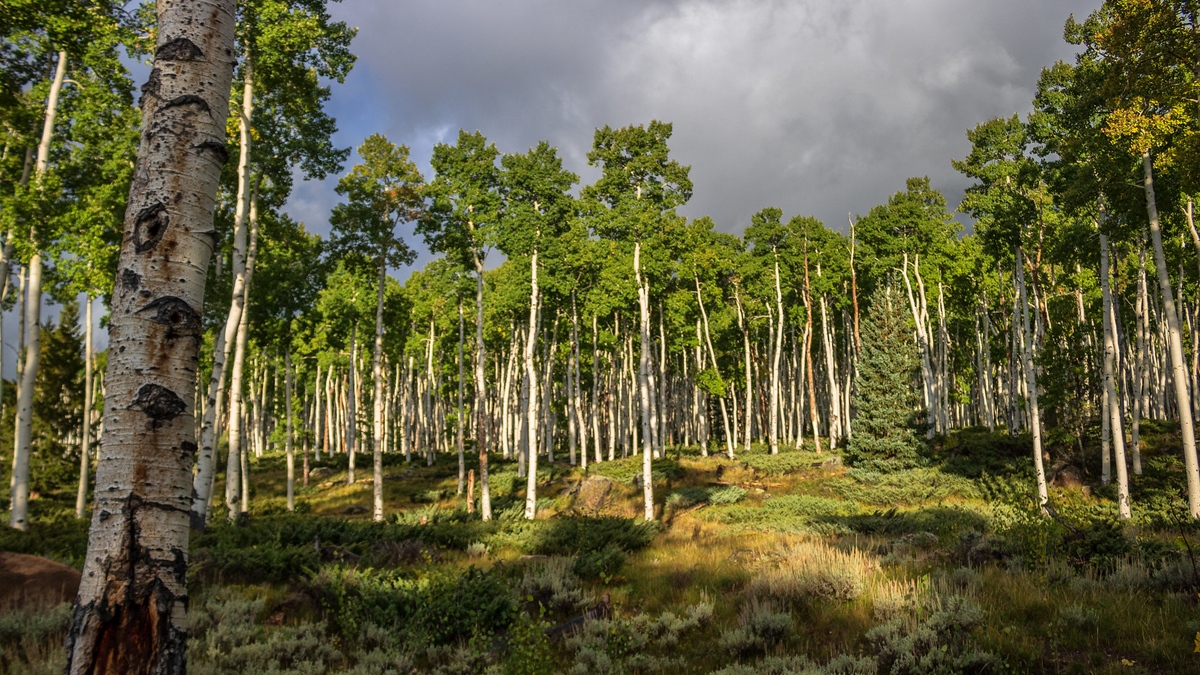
(821,108)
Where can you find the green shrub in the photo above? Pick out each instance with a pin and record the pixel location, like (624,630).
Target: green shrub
(444,607)
(784,462)
(762,624)
(717,496)
(225,637)
(576,536)
(902,488)
(635,644)
(31,641)
(553,584)
(603,564)
(941,644)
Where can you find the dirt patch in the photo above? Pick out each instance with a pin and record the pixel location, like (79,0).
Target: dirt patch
(27,581)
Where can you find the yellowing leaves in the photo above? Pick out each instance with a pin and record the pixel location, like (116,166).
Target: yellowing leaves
(1143,124)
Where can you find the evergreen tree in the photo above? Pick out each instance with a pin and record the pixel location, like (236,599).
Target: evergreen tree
(885,427)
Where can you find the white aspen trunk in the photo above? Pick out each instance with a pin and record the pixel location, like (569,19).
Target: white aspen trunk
(235,499)
(287,439)
(835,403)
(777,352)
(744,327)
(574,417)
(462,462)
(712,355)
(1175,344)
(318,423)
(808,364)
(130,613)
(19,517)
(352,407)
(377,421)
(920,318)
(1114,410)
(531,434)
(206,463)
(1035,425)
(485,499)
(644,381)
(596,388)
(85,447)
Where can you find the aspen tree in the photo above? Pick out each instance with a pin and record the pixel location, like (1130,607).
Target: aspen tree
(130,614)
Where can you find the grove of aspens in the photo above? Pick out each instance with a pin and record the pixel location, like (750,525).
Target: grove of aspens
(590,435)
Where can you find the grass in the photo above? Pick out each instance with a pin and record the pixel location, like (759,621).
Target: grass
(788,556)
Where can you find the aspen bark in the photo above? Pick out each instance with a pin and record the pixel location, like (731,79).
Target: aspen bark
(1174,343)
(462,463)
(532,436)
(644,380)
(85,444)
(236,497)
(777,353)
(206,462)
(1026,340)
(19,516)
(130,613)
(287,439)
(377,421)
(1114,410)
(481,440)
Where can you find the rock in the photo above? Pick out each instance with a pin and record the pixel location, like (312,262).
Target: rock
(593,495)
(1068,476)
(30,582)
(832,463)
(319,471)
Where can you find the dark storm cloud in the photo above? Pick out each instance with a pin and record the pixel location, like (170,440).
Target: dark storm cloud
(818,107)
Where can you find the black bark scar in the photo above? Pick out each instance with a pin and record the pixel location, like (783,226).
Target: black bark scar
(131,279)
(186,99)
(217,148)
(178,316)
(160,404)
(179,49)
(149,227)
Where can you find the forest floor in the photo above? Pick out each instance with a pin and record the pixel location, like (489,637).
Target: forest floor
(788,563)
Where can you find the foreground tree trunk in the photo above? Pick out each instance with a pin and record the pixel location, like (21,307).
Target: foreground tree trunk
(644,381)
(1175,343)
(131,612)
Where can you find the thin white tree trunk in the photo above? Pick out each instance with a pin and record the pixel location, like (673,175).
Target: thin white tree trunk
(644,381)
(712,355)
(287,439)
(531,433)
(235,500)
(776,355)
(85,447)
(1035,425)
(377,377)
(206,463)
(1114,409)
(19,517)
(130,613)
(1175,343)
(462,462)
(481,440)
